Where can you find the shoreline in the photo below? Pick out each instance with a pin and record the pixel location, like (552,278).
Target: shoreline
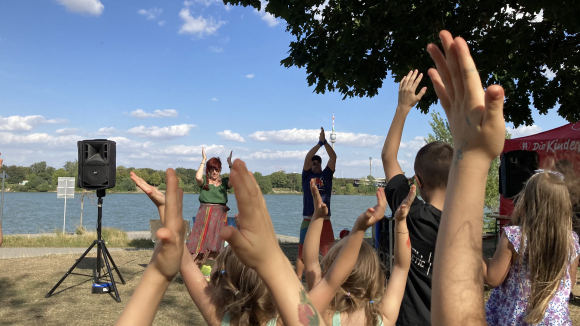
(143,235)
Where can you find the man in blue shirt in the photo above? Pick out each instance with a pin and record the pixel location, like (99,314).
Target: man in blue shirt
(313,170)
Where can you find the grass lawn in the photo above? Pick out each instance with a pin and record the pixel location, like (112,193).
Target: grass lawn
(25,281)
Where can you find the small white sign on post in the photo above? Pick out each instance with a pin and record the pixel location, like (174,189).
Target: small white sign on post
(65,189)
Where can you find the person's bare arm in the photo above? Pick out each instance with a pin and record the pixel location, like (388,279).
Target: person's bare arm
(496,269)
(199,173)
(254,243)
(573,271)
(199,289)
(476,122)
(164,263)
(407,100)
(393,296)
(324,291)
(312,240)
(312,152)
(229,186)
(330,151)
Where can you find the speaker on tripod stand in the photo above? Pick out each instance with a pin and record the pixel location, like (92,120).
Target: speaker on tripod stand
(97,171)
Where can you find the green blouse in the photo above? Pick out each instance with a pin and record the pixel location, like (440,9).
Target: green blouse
(215,195)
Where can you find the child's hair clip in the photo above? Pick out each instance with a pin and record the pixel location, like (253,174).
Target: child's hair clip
(237,292)
(348,294)
(222,272)
(372,301)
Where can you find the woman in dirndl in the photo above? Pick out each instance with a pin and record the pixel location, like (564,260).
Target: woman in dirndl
(204,240)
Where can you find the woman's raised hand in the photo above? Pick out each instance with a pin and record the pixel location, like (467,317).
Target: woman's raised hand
(230,159)
(203,157)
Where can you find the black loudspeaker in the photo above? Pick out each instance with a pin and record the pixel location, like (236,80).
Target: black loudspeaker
(97,164)
(515,170)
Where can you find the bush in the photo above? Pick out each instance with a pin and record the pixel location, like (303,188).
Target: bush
(126,185)
(43,187)
(162,187)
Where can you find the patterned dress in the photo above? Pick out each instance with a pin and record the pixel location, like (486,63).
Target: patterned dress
(507,303)
(204,240)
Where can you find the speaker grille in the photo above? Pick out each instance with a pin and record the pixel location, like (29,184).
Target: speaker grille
(95,175)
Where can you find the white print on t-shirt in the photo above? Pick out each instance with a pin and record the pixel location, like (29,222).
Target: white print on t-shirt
(417,259)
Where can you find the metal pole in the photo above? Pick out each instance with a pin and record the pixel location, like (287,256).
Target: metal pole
(2,200)
(64,218)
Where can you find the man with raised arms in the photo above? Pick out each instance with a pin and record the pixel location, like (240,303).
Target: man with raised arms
(323,179)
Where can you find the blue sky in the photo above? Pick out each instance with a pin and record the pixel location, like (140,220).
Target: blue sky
(164,78)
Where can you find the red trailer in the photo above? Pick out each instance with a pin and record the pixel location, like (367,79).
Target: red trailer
(552,146)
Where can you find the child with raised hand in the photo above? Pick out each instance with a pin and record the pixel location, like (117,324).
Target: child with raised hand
(431,167)
(535,263)
(235,294)
(164,263)
(255,244)
(476,122)
(349,290)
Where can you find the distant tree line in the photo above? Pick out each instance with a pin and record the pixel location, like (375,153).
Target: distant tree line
(42,178)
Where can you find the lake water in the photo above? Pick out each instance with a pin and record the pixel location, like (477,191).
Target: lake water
(43,212)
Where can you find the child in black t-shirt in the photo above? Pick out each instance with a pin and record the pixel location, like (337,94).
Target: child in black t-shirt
(432,166)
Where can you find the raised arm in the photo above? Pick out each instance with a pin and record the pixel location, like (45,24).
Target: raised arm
(324,291)
(230,166)
(407,100)
(312,239)
(331,154)
(496,269)
(199,173)
(391,302)
(313,150)
(164,263)
(198,288)
(476,122)
(255,244)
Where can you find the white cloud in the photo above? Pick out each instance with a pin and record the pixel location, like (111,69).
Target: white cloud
(193,150)
(522,131)
(216,49)
(67,131)
(156,114)
(229,135)
(268,155)
(302,136)
(250,76)
(27,123)
(161,23)
(415,144)
(7,138)
(214,99)
(151,14)
(165,133)
(319,9)
(105,131)
(198,26)
(89,7)
(125,144)
(228,7)
(265,16)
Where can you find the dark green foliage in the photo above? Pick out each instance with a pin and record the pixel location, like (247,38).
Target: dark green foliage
(264,182)
(357,44)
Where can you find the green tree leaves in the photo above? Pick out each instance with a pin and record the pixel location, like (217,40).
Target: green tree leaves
(352,46)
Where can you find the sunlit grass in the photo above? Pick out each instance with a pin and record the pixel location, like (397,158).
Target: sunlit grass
(113,238)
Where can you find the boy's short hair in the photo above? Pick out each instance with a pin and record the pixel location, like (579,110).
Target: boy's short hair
(317,158)
(433,162)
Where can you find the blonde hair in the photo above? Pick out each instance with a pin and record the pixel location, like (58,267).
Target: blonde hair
(544,212)
(239,291)
(365,283)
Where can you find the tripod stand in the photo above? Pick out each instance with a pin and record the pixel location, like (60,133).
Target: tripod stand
(101,251)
